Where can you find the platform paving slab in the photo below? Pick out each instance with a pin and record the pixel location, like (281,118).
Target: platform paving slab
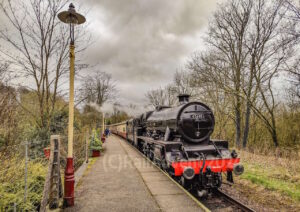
(122,180)
(166,193)
(111,185)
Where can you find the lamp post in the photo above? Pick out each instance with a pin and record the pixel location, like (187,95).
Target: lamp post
(103,125)
(72,18)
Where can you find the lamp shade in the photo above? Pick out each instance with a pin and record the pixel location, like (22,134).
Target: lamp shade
(71,16)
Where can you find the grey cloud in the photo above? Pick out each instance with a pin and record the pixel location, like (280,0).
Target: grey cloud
(142,42)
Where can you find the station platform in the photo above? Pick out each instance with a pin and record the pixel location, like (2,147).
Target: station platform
(123,180)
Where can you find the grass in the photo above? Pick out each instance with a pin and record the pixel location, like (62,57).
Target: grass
(91,162)
(271,183)
(274,174)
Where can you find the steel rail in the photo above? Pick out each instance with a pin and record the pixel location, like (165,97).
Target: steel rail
(233,201)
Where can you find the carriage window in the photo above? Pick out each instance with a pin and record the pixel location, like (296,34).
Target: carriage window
(123,129)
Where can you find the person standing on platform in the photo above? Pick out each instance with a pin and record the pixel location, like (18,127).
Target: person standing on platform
(107,132)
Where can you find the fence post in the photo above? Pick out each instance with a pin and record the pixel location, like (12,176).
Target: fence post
(87,147)
(52,187)
(26,170)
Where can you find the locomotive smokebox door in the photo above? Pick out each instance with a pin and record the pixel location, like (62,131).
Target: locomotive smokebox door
(195,122)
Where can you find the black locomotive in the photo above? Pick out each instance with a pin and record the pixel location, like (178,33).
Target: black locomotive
(178,140)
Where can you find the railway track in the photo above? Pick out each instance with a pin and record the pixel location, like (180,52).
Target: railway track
(219,201)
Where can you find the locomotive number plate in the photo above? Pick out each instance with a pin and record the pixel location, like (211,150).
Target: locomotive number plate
(197,116)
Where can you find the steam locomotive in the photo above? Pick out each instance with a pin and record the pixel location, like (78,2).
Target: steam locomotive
(178,140)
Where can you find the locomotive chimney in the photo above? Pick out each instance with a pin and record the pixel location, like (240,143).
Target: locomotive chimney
(183,98)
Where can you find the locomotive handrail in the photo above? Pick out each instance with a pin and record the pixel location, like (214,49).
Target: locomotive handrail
(216,148)
(203,164)
(196,111)
(185,153)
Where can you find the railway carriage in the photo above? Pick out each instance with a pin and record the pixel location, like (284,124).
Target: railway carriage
(119,129)
(178,140)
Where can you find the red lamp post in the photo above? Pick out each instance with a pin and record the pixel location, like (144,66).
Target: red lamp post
(72,18)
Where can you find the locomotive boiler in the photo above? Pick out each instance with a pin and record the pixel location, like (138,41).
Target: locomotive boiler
(193,122)
(178,140)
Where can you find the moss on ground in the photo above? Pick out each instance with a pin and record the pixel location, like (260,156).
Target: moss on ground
(89,166)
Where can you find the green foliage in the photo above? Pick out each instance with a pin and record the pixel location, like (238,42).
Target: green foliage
(59,122)
(95,141)
(40,136)
(12,184)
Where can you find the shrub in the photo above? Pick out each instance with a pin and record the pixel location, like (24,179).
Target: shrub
(12,183)
(96,143)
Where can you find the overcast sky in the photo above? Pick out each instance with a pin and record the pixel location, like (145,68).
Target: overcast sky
(142,42)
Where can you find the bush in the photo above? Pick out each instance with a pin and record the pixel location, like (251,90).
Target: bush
(96,143)
(12,183)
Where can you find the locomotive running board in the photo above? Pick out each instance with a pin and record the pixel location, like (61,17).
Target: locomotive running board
(166,144)
(151,140)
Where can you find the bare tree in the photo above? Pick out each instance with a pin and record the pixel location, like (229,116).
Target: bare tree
(295,80)
(8,108)
(207,90)
(98,88)
(5,92)
(272,48)
(171,93)
(294,70)
(294,7)
(224,65)
(250,45)
(162,96)
(37,44)
(168,95)
(118,115)
(156,97)
(3,71)
(183,83)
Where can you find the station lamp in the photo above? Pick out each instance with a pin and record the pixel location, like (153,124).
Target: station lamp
(72,18)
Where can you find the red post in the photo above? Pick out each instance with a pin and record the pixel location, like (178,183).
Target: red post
(69,183)
(47,152)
